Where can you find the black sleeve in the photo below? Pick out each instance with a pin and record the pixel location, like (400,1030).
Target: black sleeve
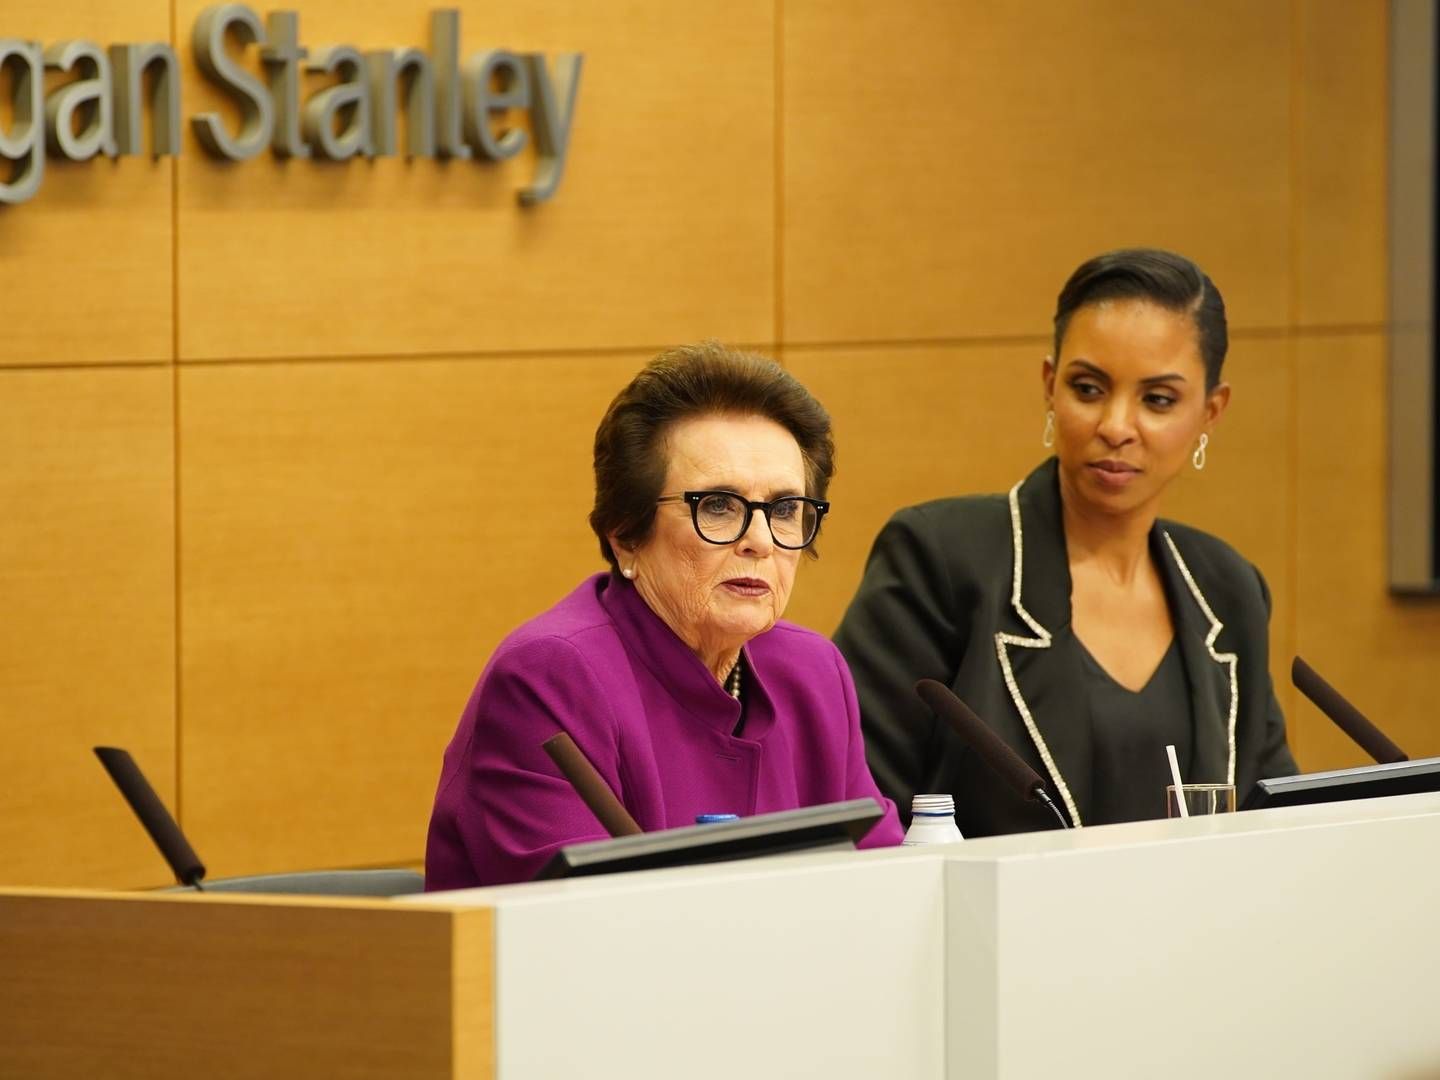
(1275,757)
(903,625)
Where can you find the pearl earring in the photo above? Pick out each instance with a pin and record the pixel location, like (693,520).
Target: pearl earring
(1047,438)
(628,573)
(1198,458)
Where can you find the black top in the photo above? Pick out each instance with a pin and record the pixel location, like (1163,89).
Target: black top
(975,593)
(1132,729)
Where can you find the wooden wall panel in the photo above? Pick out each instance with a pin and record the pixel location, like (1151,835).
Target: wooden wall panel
(87,261)
(662,230)
(345,571)
(1245,494)
(356,539)
(87,632)
(1378,650)
(1342,103)
(948,164)
(911,424)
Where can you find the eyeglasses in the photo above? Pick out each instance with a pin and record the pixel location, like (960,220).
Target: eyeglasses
(722,517)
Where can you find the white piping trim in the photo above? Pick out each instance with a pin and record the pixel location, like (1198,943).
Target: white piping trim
(1220,658)
(1041,640)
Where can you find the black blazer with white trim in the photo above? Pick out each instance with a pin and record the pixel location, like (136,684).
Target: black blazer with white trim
(975,592)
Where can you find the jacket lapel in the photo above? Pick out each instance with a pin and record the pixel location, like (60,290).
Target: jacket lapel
(1035,673)
(1213,675)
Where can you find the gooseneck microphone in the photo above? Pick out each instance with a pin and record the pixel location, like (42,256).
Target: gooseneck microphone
(1344,715)
(163,830)
(991,748)
(590,785)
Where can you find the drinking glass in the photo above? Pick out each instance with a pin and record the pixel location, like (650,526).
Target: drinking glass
(1201,799)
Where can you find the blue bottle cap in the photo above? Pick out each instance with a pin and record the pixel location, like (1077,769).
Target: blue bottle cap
(711,819)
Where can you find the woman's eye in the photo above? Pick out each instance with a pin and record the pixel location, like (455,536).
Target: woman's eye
(717,505)
(785,510)
(1159,401)
(1086,389)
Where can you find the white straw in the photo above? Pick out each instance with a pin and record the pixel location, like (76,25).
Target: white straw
(1175,775)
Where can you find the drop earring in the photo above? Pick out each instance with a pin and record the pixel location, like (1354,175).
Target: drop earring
(1047,437)
(1198,458)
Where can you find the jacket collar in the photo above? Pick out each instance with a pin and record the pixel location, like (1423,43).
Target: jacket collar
(676,668)
(1040,600)
(1213,675)
(1037,532)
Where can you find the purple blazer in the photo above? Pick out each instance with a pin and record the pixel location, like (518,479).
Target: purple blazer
(655,723)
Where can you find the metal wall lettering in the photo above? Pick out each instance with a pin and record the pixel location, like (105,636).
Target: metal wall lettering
(282,55)
(257,116)
(452,108)
(336,120)
(23,146)
(481,101)
(84,103)
(552,122)
(128,65)
(387,69)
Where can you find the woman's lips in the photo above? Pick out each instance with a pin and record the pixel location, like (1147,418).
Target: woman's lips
(1113,474)
(747,586)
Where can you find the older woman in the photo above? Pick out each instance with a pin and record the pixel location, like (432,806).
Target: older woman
(1086,630)
(672,672)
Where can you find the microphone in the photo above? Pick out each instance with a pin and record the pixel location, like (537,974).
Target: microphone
(991,748)
(590,785)
(1344,715)
(163,830)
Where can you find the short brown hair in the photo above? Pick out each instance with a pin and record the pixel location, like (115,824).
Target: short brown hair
(686,382)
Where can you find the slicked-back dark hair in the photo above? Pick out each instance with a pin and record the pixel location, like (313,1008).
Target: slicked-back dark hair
(708,379)
(1165,279)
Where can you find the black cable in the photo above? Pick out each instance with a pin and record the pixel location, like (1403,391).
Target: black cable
(1044,796)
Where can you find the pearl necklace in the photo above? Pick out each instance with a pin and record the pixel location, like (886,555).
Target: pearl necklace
(732,681)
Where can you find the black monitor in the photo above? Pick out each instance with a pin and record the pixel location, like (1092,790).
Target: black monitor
(1365,782)
(829,827)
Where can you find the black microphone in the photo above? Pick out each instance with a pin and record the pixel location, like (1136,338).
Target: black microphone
(992,749)
(152,814)
(1344,715)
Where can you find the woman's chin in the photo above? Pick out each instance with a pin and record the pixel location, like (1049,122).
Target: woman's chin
(1116,499)
(742,625)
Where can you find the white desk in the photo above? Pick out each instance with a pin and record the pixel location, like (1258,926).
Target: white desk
(1283,943)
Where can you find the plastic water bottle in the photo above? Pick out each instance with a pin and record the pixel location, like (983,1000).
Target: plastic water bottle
(932,821)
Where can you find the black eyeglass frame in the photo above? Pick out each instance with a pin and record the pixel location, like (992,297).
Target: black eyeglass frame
(822,507)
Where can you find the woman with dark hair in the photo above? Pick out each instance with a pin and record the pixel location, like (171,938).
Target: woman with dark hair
(672,672)
(1087,631)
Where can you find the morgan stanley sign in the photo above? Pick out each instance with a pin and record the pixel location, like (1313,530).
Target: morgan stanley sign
(452,109)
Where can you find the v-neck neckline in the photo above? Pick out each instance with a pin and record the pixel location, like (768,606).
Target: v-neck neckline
(1094,662)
